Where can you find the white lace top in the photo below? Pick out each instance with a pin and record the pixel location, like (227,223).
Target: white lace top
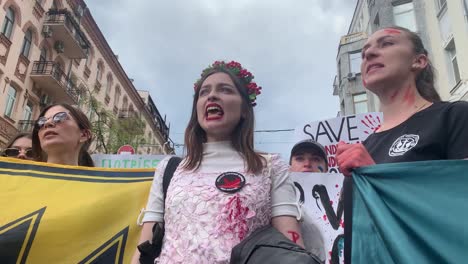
(203,223)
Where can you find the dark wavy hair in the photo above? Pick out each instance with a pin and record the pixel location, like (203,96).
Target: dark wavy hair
(242,137)
(16,137)
(84,159)
(425,79)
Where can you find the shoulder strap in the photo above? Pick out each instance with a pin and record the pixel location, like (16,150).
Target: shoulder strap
(169,172)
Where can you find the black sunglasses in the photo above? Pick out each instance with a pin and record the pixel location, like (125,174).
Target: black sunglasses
(56,119)
(14,152)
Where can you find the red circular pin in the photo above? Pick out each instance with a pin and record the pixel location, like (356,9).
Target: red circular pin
(230,182)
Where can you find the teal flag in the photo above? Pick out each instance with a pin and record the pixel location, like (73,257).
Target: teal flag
(410,213)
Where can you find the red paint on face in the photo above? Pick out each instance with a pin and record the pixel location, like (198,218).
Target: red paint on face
(294,236)
(393,96)
(364,82)
(409,97)
(392,31)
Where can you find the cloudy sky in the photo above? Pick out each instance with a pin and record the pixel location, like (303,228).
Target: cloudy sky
(290,47)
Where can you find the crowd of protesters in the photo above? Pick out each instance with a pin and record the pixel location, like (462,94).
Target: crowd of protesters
(224,190)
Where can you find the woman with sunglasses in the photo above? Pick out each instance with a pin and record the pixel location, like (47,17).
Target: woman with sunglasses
(223,190)
(20,146)
(62,135)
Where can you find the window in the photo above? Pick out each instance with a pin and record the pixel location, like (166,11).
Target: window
(403,15)
(441,4)
(452,55)
(8,23)
(28,111)
(117,96)
(125,103)
(26,43)
(81,96)
(355,60)
(376,22)
(465,7)
(100,69)
(43,56)
(89,57)
(10,102)
(360,103)
(109,84)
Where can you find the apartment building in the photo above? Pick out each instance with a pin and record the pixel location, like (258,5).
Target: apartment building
(447,26)
(441,24)
(53,51)
(354,98)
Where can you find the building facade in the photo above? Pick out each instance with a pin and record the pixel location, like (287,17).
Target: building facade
(52,51)
(447,22)
(354,99)
(441,24)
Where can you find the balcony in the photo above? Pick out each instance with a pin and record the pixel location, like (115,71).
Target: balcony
(66,33)
(5,44)
(25,126)
(126,113)
(53,81)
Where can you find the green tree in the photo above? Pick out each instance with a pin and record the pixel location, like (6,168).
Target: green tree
(110,130)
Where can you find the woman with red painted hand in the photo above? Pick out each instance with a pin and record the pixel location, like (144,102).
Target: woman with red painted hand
(223,190)
(417,125)
(62,135)
(20,147)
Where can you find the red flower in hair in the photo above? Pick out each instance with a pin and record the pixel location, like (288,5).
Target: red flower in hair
(244,75)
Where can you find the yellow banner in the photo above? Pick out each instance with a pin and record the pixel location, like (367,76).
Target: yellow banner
(66,214)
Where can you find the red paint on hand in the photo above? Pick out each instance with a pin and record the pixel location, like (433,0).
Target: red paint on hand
(371,123)
(294,236)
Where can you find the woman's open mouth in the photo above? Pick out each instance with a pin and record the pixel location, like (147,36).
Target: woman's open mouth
(213,112)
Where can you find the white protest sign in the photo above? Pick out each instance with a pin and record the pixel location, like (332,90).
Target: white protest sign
(321,198)
(124,161)
(350,129)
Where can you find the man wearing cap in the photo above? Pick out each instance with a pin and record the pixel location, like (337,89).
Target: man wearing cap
(308,156)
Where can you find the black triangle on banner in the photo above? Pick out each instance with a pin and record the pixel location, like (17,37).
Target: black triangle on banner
(16,237)
(110,252)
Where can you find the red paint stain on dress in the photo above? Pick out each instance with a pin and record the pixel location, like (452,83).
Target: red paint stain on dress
(238,214)
(342,223)
(336,186)
(324,217)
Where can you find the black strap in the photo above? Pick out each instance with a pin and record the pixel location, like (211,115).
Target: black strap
(169,172)
(150,251)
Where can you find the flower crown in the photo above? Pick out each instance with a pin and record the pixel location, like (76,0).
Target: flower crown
(244,75)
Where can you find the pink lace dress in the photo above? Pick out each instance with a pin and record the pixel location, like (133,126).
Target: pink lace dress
(203,224)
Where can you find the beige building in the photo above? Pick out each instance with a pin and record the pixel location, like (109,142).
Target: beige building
(53,51)
(447,22)
(347,85)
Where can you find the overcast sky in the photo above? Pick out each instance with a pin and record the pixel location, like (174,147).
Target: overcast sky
(290,47)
